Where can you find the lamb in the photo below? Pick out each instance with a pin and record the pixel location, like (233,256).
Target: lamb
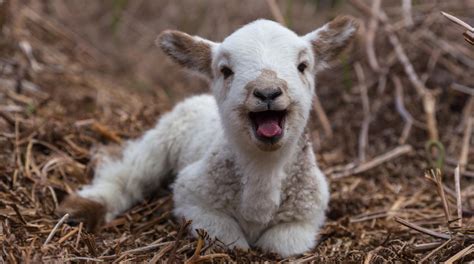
(244,165)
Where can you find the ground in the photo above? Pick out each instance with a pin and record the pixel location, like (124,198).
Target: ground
(73,82)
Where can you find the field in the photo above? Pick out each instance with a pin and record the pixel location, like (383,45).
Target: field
(391,126)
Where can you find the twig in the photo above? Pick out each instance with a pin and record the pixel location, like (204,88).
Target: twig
(161,253)
(458,21)
(323,118)
(87,259)
(466,251)
(434,175)
(407,18)
(79,232)
(51,234)
(179,236)
(89,240)
(425,258)
(463,158)
(106,132)
(467,112)
(468,34)
(394,153)
(469,37)
(427,96)
(68,235)
(407,117)
(370,255)
(364,131)
(145,248)
(422,229)
(276,12)
(197,258)
(426,246)
(370,37)
(462,88)
(457,185)
(429,105)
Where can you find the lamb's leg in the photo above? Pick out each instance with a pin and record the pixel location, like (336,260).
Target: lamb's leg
(217,224)
(119,183)
(193,201)
(289,239)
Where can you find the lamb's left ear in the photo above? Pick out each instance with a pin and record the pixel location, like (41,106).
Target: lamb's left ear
(191,52)
(329,40)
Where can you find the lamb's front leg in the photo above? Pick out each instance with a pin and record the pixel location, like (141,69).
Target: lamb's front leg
(200,198)
(289,239)
(217,224)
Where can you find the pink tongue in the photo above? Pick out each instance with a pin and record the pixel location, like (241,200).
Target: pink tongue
(268,128)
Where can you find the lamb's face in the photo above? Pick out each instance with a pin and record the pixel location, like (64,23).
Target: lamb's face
(262,76)
(264,84)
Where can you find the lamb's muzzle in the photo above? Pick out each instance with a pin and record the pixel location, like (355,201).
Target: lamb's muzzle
(246,171)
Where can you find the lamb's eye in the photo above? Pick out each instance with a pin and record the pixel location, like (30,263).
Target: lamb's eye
(226,71)
(302,67)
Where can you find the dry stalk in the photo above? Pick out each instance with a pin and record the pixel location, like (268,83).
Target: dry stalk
(462,88)
(323,118)
(457,185)
(276,12)
(400,105)
(364,131)
(466,251)
(435,176)
(79,232)
(407,17)
(426,246)
(468,109)
(51,234)
(394,153)
(429,105)
(429,255)
(370,37)
(423,92)
(181,232)
(469,33)
(106,132)
(422,229)
(197,258)
(463,157)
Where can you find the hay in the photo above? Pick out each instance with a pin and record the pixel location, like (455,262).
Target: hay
(396,107)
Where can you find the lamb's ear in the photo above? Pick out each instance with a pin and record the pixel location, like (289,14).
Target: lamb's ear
(329,40)
(191,52)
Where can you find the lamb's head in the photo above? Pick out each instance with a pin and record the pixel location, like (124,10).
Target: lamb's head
(262,76)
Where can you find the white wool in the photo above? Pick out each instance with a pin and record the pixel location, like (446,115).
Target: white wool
(225,183)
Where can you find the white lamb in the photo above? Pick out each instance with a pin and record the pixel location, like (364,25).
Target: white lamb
(246,171)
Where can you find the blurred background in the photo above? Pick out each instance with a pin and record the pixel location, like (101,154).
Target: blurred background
(119,34)
(76,76)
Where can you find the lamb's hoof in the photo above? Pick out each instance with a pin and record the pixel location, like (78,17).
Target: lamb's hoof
(84,210)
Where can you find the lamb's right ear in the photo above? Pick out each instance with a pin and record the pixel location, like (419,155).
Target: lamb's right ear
(191,52)
(329,40)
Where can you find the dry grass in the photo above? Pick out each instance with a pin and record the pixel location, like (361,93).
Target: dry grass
(399,105)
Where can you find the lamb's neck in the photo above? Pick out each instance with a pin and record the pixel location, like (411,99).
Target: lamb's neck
(262,177)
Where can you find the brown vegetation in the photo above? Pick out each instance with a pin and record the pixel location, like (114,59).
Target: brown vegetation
(392,126)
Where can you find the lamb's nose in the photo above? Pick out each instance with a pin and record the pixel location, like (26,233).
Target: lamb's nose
(267,94)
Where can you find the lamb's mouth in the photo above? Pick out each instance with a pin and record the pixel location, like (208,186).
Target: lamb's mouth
(268,126)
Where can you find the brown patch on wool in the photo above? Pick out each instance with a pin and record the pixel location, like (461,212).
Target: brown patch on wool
(267,79)
(80,209)
(335,37)
(186,50)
